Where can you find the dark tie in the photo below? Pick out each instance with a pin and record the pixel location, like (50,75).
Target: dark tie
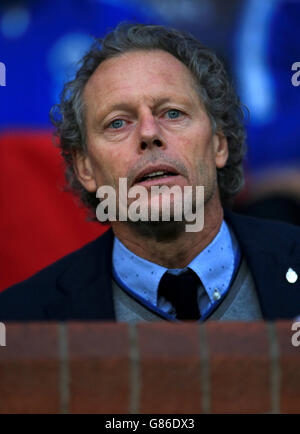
(181,292)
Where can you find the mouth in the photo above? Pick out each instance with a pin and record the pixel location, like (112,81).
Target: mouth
(155,175)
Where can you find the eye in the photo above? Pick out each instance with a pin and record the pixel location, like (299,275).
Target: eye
(173,113)
(117,124)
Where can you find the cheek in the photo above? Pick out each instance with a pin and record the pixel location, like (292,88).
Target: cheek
(108,166)
(197,150)
(196,147)
(100,163)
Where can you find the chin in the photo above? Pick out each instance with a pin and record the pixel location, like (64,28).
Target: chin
(161,231)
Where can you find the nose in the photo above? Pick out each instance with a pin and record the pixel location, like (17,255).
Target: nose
(149,132)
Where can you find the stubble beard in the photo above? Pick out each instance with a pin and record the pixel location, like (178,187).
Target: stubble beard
(166,231)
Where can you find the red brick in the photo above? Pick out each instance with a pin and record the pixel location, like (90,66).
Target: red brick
(239,367)
(289,358)
(29,369)
(169,368)
(99,367)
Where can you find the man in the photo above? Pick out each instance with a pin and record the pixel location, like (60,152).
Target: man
(155,107)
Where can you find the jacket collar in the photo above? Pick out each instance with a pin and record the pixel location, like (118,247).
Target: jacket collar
(270,250)
(84,289)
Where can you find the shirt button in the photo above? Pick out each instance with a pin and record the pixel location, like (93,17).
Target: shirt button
(216,294)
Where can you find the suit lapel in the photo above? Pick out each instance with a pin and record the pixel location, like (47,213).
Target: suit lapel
(269,255)
(84,290)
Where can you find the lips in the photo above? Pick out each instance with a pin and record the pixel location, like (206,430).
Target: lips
(155,172)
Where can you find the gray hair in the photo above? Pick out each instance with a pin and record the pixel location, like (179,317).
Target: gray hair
(215,90)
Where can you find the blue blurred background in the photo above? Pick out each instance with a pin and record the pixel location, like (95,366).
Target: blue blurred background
(42,41)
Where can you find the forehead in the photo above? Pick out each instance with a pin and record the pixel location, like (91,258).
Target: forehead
(154,73)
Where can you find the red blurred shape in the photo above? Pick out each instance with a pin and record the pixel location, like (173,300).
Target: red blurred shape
(40,222)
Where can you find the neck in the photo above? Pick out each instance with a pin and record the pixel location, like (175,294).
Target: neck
(167,243)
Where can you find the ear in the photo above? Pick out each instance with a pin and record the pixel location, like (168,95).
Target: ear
(84,171)
(220,149)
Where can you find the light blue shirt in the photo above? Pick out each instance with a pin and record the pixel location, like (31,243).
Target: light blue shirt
(215,266)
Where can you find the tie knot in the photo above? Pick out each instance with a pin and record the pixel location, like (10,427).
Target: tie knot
(182,292)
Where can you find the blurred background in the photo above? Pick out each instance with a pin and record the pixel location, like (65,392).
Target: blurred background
(40,45)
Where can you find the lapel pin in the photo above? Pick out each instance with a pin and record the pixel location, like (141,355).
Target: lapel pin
(291,276)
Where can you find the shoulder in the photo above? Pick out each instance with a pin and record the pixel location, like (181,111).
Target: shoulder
(269,234)
(28,295)
(271,249)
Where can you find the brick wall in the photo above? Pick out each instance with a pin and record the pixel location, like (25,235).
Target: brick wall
(219,367)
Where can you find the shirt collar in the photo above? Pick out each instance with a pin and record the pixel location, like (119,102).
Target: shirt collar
(214,266)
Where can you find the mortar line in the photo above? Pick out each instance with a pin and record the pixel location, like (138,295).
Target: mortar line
(274,368)
(64,383)
(134,376)
(205,370)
